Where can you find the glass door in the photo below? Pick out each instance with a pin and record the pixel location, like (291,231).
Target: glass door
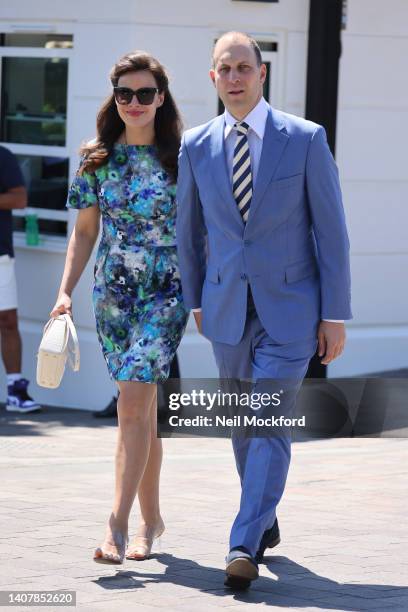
(34,75)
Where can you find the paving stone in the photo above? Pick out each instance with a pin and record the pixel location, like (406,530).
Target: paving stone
(342,519)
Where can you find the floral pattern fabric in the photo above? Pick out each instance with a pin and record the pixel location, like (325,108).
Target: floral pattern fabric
(138,304)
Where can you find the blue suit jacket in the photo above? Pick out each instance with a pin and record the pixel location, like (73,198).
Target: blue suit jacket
(294,249)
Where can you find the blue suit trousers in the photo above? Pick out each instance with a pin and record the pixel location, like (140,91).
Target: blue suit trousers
(262,462)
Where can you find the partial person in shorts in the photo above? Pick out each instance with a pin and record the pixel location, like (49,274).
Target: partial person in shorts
(13,194)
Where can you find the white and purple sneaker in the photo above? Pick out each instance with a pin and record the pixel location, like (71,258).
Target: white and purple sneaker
(18,399)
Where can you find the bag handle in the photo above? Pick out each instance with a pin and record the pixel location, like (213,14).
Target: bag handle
(72,352)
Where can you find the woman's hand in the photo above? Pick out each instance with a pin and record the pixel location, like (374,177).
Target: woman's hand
(63,305)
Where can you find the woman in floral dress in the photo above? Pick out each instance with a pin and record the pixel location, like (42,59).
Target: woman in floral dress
(128,176)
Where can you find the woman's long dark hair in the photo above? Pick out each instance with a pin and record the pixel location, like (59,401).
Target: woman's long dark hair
(109,125)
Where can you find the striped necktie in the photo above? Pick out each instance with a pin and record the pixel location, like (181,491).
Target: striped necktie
(241,171)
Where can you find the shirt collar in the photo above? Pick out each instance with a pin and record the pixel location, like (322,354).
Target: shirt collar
(256,119)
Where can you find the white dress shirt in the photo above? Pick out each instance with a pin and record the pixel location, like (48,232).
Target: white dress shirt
(256,121)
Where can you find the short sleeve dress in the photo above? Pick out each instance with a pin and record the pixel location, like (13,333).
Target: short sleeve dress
(137,298)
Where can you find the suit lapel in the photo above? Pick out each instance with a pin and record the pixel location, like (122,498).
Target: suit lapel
(274,143)
(219,170)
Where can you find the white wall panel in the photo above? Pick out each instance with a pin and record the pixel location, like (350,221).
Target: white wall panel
(372,349)
(371,151)
(75,10)
(83,123)
(196,114)
(295,72)
(378,17)
(376,213)
(379,289)
(97,47)
(224,13)
(38,278)
(186,54)
(370,74)
(295,109)
(371,144)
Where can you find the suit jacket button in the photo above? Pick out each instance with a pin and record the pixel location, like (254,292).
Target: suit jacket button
(243,276)
(247,242)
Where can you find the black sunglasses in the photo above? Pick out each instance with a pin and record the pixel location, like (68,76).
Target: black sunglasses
(144,95)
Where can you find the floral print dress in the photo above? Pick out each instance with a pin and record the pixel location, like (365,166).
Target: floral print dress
(138,304)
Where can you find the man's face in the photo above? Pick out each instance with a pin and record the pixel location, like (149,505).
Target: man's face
(237,77)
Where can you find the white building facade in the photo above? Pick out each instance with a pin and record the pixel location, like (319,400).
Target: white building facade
(74,46)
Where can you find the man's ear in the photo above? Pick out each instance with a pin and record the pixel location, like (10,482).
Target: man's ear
(212,75)
(263,73)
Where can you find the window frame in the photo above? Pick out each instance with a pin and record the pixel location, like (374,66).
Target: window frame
(48,242)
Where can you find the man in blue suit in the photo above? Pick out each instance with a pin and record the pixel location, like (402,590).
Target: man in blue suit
(264,260)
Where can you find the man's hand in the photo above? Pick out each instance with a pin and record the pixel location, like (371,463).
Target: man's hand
(197,317)
(331,339)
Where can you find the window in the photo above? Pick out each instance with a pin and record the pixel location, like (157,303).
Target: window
(33,39)
(34,100)
(33,121)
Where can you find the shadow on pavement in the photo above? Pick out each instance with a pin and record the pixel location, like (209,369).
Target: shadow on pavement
(295,586)
(39,423)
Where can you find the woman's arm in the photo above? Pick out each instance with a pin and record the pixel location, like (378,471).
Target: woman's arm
(80,247)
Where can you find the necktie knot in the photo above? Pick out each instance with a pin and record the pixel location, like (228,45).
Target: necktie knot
(241,127)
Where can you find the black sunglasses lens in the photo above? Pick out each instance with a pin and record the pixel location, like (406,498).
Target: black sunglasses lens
(123,95)
(146,95)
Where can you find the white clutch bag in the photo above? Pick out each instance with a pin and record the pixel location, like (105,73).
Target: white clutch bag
(59,344)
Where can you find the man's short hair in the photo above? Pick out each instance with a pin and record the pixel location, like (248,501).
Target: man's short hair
(252,42)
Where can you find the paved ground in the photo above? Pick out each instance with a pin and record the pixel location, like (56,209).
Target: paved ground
(343,522)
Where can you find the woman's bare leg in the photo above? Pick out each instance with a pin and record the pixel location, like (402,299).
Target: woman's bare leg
(132,453)
(151,522)
(148,492)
